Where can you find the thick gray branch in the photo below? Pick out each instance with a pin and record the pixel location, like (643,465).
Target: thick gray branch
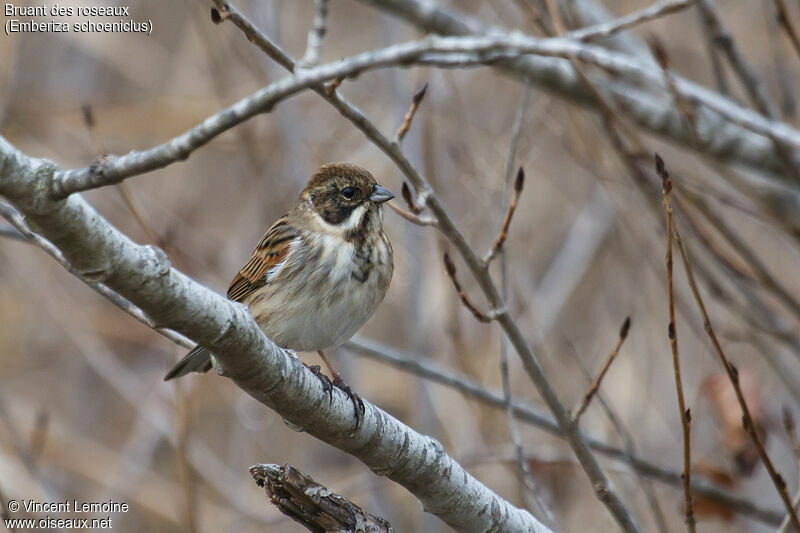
(142,275)
(445,52)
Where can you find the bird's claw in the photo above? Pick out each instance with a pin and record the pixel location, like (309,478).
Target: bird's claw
(358,404)
(327,386)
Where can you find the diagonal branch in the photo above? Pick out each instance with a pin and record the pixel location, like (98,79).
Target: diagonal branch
(519,182)
(785,22)
(450,268)
(412,110)
(595,386)
(612,27)
(446,52)
(143,275)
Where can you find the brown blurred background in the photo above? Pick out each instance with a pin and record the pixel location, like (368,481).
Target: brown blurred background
(84,412)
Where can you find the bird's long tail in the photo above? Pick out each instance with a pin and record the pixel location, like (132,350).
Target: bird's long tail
(198,360)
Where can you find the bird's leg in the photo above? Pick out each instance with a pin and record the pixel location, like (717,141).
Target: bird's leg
(339,383)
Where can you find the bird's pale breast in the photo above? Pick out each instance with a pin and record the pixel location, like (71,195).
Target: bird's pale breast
(308,309)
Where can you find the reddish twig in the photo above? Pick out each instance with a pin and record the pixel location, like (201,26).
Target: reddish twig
(413,206)
(412,110)
(450,267)
(595,386)
(733,375)
(519,182)
(412,217)
(685,414)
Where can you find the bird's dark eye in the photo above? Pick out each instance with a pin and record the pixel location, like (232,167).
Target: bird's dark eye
(348,192)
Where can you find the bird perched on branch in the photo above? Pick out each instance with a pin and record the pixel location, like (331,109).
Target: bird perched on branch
(319,272)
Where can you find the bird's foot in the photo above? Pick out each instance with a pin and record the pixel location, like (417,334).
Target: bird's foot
(327,386)
(358,405)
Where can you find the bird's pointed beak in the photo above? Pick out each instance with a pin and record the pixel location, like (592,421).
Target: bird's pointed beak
(380,195)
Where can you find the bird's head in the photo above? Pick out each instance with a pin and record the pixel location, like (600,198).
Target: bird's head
(341,193)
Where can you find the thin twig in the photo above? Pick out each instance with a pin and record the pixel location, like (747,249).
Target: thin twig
(685,414)
(135,208)
(595,386)
(414,207)
(412,110)
(731,264)
(789,426)
(717,68)
(412,217)
(612,27)
(787,104)
(785,22)
(763,275)
(127,195)
(519,182)
(316,37)
(629,446)
(683,105)
(450,267)
(733,375)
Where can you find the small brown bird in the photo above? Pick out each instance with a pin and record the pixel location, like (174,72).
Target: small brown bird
(319,272)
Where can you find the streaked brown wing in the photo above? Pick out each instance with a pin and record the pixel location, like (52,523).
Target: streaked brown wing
(273,248)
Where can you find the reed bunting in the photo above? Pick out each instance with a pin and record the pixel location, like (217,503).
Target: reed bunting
(319,272)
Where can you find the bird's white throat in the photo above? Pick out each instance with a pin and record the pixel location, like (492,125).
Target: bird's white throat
(350,223)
